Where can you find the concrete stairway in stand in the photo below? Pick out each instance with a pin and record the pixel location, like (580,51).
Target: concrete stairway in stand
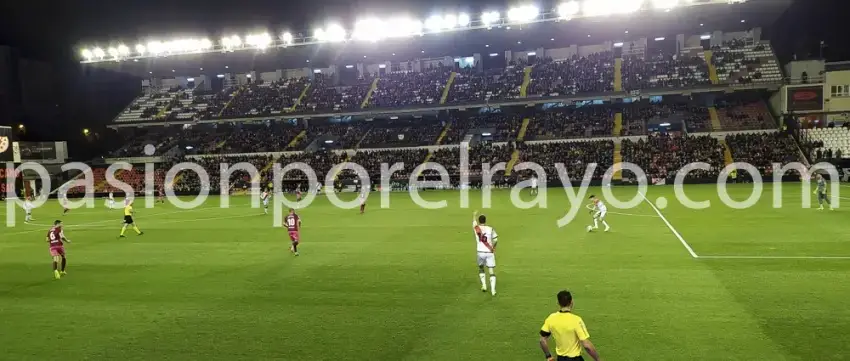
(618,124)
(524,128)
(712,70)
(448,86)
(365,102)
(715,119)
(300,97)
(618,158)
(526,79)
(618,74)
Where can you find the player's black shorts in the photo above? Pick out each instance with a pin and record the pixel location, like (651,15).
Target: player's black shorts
(821,196)
(567,358)
(128,219)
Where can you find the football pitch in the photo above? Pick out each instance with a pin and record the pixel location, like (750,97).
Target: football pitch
(402,283)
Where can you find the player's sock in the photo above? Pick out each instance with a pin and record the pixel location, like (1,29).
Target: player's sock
(294,248)
(64,262)
(493,284)
(123,229)
(607,227)
(65,211)
(483,278)
(137,229)
(595,223)
(55,266)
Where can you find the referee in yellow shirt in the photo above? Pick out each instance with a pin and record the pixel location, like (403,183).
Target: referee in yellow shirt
(569,331)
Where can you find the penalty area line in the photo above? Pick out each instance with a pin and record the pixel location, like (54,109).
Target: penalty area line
(670,226)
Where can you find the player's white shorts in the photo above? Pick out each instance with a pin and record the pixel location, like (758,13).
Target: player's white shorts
(266,203)
(600,214)
(487,259)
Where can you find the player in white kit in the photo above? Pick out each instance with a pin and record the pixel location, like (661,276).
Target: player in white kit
(110,202)
(485,238)
(265,197)
(533,185)
(599,211)
(28,207)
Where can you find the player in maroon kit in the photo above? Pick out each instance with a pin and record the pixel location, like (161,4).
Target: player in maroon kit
(298,193)
(56,239)
(293,225)
(362,203)
(160,195)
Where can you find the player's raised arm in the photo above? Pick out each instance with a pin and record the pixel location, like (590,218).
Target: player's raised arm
(474,218)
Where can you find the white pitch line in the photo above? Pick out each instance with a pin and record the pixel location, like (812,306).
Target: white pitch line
(670,226)
(633,215)
(777,257)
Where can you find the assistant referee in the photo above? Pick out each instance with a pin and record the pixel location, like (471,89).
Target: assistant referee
(569,331)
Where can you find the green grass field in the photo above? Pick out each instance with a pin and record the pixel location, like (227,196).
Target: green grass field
(402,284)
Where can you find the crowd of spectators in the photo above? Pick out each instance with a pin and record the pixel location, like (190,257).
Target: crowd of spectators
(372,160)
(695,117)
(399,89)
(582,122)
(580,74)
(258,139)
(743,114)
(763,149)
(661,156)
(502,127)
(483,152)
(575,156)
(662,70)
(402,133)
(324,95)
(472,85)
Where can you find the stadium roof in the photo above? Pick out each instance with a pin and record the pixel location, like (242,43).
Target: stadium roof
(593,30)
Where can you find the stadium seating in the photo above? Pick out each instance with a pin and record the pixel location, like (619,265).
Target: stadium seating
(741,61)
(584,122)
(323,95)
(401,89)
(831,143)
(372,160)
(489,85)
(744,115)
(763,149)
(580,74)
(402,133)
(575,156)
(661,156)
(660,70)
(502,127)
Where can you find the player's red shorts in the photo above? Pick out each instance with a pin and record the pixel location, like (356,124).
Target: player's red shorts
(293,236)
(57,251)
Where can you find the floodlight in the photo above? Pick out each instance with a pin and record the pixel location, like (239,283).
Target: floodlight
(523,14)
(333,33)
(349,66)
(370,29)
(660,38)
(531,53)
(494,54)
(618,45)
(463,20)
(434,23)
(156,47)
(190,79)
(490,17)
(206,44)
(123,50)
(220,76)
(705,37)
(287,38)
(317,71)
(568,9)
(449,21)
(230,42)
(260,41)
(86,53)
(382,66)
(486,134)
(98,52)
(402,27)
(664,124)
(140,49)
(112,52)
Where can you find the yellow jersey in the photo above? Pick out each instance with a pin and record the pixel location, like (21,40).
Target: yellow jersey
(568,329)
(128,211)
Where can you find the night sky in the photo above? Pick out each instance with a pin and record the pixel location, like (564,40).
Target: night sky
(53,31)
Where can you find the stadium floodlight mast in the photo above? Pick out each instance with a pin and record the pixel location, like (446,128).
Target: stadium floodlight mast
(378,27)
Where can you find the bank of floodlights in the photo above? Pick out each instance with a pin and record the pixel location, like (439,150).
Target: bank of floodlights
(568,10)
(376,28)
(331,34)
(260,41)
(523,14)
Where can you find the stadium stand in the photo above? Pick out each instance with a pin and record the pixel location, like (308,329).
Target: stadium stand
(488,85)
(593,73)
(575,156)
(741,61)
(763,149)
(661,156)
(399,89)
(583,122)
(828,143)
(323,95)
(662,70)
(402,133)
(502,127)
